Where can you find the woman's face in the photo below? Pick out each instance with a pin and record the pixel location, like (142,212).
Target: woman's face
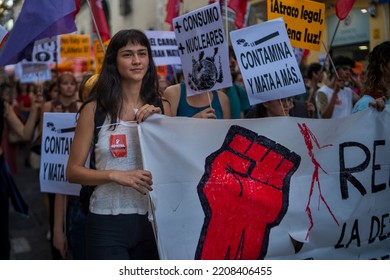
(279,107)
(68,85)
(133,62)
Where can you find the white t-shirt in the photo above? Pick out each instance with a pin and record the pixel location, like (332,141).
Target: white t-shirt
(344,102)
(111,198)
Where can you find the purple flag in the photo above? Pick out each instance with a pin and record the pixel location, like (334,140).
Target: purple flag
(37,20)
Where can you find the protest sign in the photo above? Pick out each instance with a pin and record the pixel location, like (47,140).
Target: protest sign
(272,188)
(46,50)
(305,21)
(267,62)
(164,47)
(203,49)
(74,46)
(30,72)
(57,136)
(99,54)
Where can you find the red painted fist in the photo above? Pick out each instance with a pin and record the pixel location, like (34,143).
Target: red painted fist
(244,193)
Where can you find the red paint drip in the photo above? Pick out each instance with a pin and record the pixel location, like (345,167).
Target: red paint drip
(309,138)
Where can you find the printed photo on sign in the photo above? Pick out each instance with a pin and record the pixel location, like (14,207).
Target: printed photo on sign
(267,62)
(203,49)
(57,136)
(164,47)
(47,50)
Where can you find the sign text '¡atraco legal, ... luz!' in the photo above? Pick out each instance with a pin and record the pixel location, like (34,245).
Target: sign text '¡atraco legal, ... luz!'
(303,14)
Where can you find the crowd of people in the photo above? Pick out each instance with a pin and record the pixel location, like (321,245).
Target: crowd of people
(126,92)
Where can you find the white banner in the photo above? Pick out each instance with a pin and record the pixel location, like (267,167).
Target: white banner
(57,136)
(273,188)
(203,49)
(267,61)
(164,47)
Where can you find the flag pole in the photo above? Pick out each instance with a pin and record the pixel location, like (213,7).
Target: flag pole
(96,27)
(330,45)
(331,61)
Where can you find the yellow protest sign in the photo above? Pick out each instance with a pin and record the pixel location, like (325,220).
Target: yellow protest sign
(73,46)
(99,53)
(304,20)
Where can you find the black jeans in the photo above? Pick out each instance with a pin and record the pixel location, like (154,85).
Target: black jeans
(75,229)
(120,237)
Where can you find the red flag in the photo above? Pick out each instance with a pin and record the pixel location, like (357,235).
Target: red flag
(343,7)
(100,18)
(38,19)
(78,5)
(173,10)
(238,6)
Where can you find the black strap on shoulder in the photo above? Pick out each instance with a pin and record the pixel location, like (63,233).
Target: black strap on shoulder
(86,191)
(99,118)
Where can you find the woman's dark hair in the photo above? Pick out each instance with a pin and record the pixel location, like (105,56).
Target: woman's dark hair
(51,86)
(377,69)
(107,90)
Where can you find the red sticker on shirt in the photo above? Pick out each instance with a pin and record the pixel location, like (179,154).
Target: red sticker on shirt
(118,146)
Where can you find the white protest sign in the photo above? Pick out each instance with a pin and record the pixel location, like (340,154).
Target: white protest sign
(57,136)
(272,188)
(46,50)
(203,49)
(267,62)
(31,72)
(164,47)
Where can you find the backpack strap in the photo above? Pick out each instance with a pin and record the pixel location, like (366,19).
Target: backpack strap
(99,118)
(86,191)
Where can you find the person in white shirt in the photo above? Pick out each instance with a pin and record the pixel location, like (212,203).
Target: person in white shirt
(126,93)
(335,99)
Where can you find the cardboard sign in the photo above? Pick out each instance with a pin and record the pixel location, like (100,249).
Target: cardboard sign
(57,136)
(30,72)
(203,49)
(164,47)
(305,21)
(267,62)
(46,50)
(99,54)
(73,46)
